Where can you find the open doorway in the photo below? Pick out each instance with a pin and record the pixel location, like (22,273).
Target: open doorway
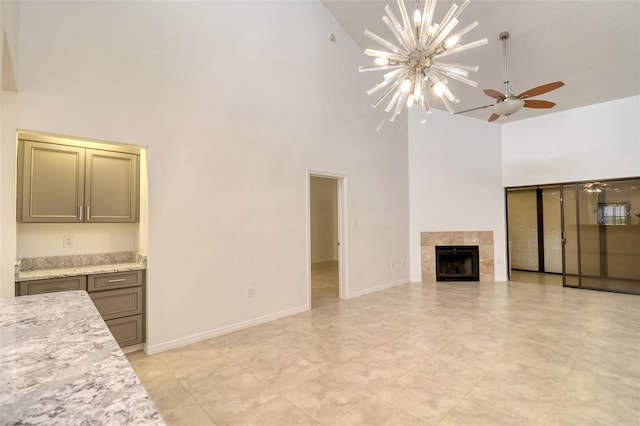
(325,235)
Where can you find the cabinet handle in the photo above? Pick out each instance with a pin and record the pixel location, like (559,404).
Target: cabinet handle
(58,287)
(80,209)
(88,213)
(119,280)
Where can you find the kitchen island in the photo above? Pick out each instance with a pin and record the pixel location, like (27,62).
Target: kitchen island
(59,364)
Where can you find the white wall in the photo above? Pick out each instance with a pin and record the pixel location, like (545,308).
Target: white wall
(9,36)
(235,102)
(324,219)
(45,239)
(455,180)
(599,141)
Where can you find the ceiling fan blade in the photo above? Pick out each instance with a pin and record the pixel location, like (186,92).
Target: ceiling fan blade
(540,90)
(534,103)
(493,117)
(473,109)
(494,94)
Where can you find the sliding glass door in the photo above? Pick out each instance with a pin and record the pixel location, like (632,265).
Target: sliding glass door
(601,235)
(587,231)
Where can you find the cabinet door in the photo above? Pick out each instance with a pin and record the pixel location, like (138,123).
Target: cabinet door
(127,331)
(111,191)
(51,285)
(52,183)
(120,303)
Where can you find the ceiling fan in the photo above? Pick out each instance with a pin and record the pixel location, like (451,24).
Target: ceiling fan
(508,103)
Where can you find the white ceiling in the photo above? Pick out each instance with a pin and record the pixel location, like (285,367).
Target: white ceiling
(592,46)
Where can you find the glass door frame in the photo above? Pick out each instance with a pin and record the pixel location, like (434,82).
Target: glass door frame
(564,235)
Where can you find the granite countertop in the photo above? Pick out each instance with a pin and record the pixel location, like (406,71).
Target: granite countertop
(60,366)
(39,268)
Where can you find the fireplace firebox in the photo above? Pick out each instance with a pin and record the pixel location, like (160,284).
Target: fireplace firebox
(457,263)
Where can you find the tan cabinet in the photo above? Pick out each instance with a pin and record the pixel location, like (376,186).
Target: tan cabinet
(51,285)
(118,296)
(60,183)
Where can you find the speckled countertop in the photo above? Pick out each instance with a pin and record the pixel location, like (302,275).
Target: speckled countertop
(39,268)
(61,366)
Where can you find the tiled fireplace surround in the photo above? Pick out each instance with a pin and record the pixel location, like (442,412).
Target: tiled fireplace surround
(482,239)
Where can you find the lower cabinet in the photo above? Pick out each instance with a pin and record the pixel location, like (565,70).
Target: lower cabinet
(51,285)
(127,331)
(118,296)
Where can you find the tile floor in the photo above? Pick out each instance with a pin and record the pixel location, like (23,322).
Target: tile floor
(418,354)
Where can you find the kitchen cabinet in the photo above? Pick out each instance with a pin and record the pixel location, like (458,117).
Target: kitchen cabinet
(69,183)
(118,296)
(51,285)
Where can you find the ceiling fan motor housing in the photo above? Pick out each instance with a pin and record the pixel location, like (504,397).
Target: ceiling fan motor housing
(511,104)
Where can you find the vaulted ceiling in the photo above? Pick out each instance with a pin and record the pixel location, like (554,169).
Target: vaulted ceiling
(593,46)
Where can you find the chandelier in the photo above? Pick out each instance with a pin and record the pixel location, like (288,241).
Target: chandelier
(415,63)
(594,187)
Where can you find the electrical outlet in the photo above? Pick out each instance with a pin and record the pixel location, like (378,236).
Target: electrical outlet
(67,241)
(249,291)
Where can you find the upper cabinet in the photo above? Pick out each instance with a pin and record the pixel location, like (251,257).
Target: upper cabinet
(67,183)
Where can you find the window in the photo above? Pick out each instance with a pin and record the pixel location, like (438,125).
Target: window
(614,213)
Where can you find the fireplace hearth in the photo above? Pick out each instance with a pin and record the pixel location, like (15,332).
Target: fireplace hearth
(457,263)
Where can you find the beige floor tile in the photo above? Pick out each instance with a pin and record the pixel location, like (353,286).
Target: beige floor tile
(588,386)
(367,373)
(199,377)
(147,367)
(591,413)
(277,412)
(400,354)
(374,412)
(413,394)
(326,399)
(448,371)
(486,353)
(288,372)
(472,412)
(234,397)
(186,413)
(328,353)
(526,395)
(166,392)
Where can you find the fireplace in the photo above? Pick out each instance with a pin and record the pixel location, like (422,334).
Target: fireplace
(457,263)
(430,240)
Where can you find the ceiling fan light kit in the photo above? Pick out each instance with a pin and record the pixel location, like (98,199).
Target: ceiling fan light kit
(414,60)
(507,103)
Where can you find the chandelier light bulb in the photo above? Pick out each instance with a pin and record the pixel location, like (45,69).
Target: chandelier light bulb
(417,17)
(452,41)
(438,89)
(413,59)
(410,101)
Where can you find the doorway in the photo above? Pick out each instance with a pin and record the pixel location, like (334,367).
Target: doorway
(326,236)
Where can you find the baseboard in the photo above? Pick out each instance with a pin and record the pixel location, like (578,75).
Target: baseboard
(209,334)
(377,288)
(133,348)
